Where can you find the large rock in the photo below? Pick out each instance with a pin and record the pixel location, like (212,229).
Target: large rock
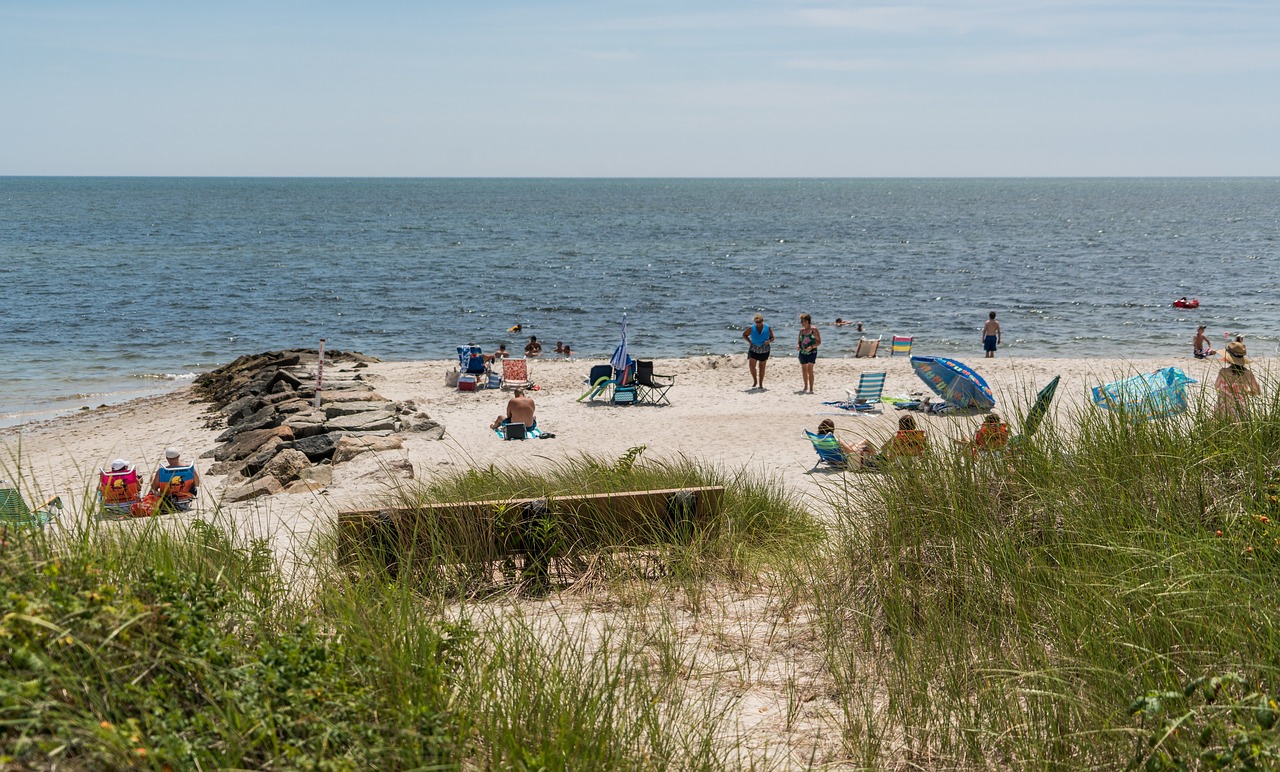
(321,474)
(261,419)
(337,409)
(241,409)
(320,446)
(353,395)
(304,486)
(285,466)
(289,407)
(306,423)
(267,451)
(229,468)
(247,443)
(350,447)
(265,486)
(422,423)
(371,421)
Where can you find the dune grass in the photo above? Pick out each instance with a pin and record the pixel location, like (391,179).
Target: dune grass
(175,645)
(1006,610)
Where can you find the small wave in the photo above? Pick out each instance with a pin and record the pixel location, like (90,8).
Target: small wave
(166,376)
(80,396)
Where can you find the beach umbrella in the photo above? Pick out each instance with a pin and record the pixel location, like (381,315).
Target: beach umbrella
(954,381)
(620,358)
(1038,410)
(1146,396)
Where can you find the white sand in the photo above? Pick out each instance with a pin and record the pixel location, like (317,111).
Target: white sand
(714,417)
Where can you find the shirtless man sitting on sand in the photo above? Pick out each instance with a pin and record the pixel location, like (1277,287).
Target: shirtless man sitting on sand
(519,411)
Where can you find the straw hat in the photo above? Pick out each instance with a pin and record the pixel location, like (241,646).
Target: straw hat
(1235,354)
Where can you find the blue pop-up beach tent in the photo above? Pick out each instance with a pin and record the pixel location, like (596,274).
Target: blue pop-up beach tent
(1146,396)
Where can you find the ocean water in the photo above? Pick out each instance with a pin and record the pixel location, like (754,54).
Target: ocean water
(117,287)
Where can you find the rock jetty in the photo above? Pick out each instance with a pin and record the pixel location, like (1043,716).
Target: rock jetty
(276,439)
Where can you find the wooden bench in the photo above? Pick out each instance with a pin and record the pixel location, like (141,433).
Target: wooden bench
(482,542)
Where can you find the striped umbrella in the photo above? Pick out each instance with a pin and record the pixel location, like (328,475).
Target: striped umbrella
(620,358)
(954,381)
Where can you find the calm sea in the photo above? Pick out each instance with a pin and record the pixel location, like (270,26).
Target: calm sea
(116,287)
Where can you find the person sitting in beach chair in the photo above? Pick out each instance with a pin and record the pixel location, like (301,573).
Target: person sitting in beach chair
(992,436)
(174,487)
(834,451)
(119,489)
(520,412)
(909,442)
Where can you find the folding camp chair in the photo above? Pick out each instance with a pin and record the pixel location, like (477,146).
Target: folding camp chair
(828,449)
(470,360)
(901,345)
(515,373)
(867,347)
(14,510)
(118,491)
(651,388)
(870,388)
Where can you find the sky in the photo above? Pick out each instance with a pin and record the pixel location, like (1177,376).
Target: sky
(652,88)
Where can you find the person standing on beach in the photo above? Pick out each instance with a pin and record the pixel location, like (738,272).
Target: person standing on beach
(807,345)
(758,337)
(1200,346)
(991,335)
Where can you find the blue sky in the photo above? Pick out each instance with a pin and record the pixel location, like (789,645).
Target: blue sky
(653,88)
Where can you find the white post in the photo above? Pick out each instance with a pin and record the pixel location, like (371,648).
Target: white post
(319,372)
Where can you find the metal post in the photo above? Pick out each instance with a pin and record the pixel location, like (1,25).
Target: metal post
(319,372)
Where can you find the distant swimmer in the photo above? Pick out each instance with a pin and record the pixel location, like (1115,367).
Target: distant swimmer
(515,328)
(842,322)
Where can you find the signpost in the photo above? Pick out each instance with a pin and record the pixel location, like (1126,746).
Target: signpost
(319,372)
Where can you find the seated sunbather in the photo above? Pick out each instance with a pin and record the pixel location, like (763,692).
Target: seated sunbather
(858,455)
(119,487)
(174,487)
(520,410)
(992,435)
(908,442)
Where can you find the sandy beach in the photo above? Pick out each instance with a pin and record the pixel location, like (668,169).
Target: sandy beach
(714,416)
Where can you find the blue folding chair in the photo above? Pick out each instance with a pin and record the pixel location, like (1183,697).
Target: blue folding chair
(828,449)
(470,360)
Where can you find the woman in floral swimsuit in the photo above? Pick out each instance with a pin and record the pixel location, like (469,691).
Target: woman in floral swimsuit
(807,345)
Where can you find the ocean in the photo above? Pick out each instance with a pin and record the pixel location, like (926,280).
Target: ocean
(120,287)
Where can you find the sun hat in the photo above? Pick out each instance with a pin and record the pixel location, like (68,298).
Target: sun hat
(171,453)
(1235,354)
(119,464)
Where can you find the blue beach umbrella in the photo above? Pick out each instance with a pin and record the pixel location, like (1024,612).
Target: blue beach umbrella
(620,358)
(954,381)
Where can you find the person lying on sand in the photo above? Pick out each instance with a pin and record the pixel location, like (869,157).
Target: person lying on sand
(519,411)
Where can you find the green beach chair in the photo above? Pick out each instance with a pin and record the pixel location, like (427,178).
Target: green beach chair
(14,510)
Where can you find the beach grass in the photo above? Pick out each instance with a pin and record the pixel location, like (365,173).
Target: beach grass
(1103,596)
(172,644)
(1007,610)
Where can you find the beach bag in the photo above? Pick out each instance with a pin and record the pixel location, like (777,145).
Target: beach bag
(451,378)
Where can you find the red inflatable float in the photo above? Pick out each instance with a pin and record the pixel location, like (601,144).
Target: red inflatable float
(1184,303)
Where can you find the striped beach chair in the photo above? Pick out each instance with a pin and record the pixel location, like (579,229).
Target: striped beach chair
(901,345)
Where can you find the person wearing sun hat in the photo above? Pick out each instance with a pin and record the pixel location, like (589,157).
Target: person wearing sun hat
(1235,383)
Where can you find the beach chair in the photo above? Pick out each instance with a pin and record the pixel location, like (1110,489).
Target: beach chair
(118,491)
(470,360)
(599,380)
(901,345)
(828,450)
(513,431)
(515,373)
(867,347)
(867,395)
(651,388)
(14,510)
(175,491)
